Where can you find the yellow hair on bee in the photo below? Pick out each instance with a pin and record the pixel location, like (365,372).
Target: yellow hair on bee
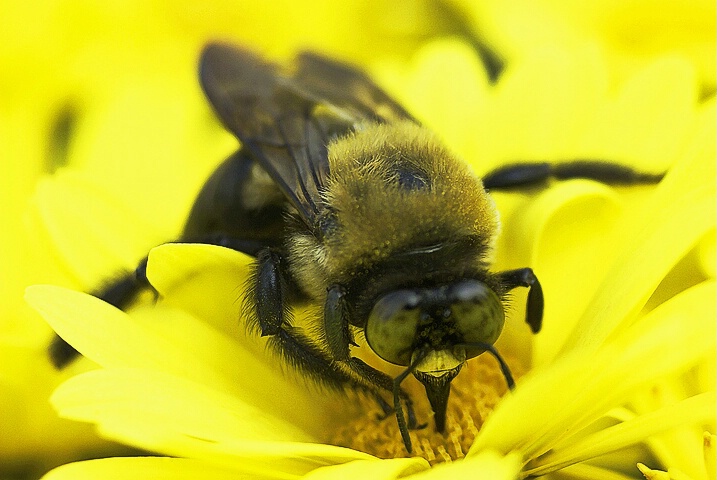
(377,216)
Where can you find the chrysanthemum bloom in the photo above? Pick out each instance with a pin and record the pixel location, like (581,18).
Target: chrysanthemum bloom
(622,373)
(98,102)
(632,33)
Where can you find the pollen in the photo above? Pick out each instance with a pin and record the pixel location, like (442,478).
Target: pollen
(474,394)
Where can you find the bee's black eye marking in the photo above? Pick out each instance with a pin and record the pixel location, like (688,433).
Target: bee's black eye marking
(411,179)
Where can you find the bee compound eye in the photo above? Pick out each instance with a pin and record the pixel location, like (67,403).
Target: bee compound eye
(477,312)
(392,326)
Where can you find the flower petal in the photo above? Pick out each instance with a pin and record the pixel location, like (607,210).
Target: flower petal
(171,341)
(91,249)
(586,471)
(710,453)
(587,384)
(139,468)
(205,280)
(374,469)
(487,465)
(544,102)
(568,223)
(695,410)
(678,216)
(177,417)
(635,128)
(118,397)
(445,70)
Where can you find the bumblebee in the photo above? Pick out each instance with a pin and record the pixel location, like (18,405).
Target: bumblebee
(347,202)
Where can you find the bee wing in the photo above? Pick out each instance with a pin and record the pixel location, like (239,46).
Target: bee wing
(271,119)
(287,122)
(348,88)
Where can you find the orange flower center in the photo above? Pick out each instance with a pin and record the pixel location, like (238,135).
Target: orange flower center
(474,394)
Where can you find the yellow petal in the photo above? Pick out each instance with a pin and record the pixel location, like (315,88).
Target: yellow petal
(486,465)
(94,233)
(695,410)
(373,469)
(648,122)
(172,341)
(710,453)
(707,256)
(681,446)
(680,213)
(587,385)
(205,280)
(166,414)
(568,223)
(544,103)
(586,471)
(133,400)
(149,468)
(653,474)
(443,71)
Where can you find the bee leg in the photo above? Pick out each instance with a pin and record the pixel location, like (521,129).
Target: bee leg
(336,323)
(273,317)
(525,175)
(122,291)
(269,296)
(305,355)
(521,175)
(119,293)
(384,405)
(524,277)
(338,339)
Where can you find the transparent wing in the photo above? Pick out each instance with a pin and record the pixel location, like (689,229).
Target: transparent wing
(287,121)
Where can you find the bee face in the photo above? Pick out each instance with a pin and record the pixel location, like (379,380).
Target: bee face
(450,318)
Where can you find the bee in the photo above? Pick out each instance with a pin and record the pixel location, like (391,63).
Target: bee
(347,202)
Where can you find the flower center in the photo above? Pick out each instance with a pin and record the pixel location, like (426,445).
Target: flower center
(474,394)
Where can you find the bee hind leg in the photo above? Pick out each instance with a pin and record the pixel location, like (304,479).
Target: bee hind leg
(119,293)
(532,174)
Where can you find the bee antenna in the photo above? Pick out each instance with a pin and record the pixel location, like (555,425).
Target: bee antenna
(400,418)
(503,366)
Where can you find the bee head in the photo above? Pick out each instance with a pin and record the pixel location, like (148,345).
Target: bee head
(434,331)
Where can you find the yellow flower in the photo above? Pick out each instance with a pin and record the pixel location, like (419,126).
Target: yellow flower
(626,358)
(628,33)
(100,104)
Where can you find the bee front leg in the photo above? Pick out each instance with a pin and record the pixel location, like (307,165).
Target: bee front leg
(524,277)
(269,310)
(270,290)
(269,297)
(336,323)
